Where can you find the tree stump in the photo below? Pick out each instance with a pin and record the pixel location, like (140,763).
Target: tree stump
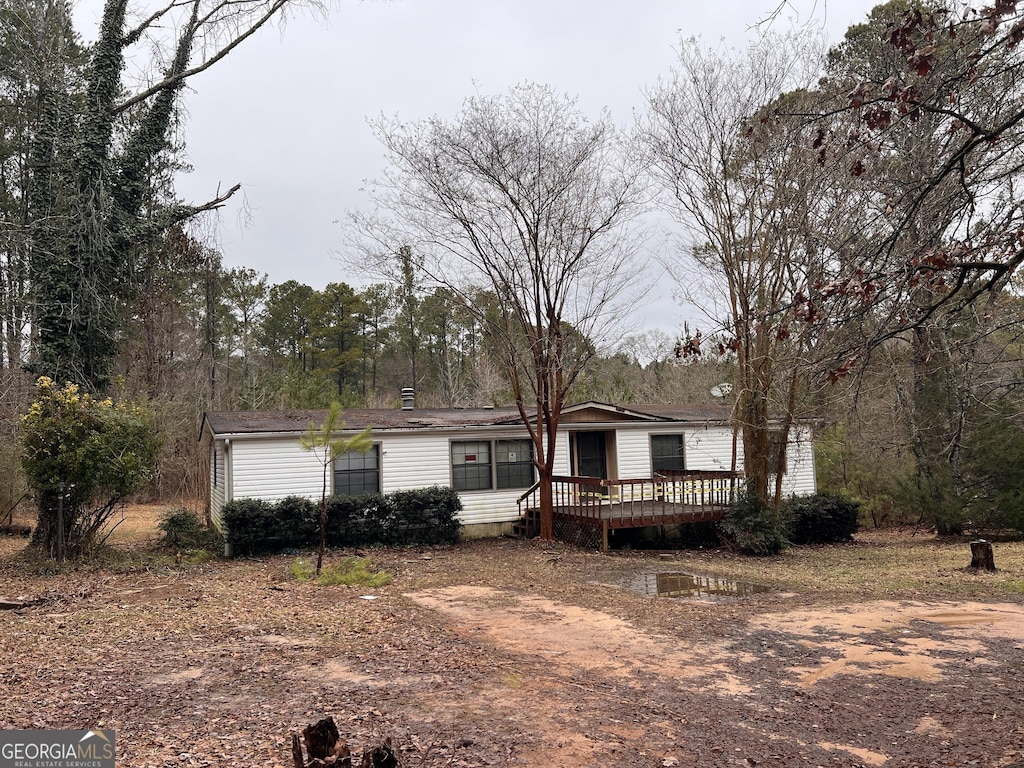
(320,738)
(981,555)
(324,747)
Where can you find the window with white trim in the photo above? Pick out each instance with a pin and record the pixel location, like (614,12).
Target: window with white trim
(483,465)
(667,453)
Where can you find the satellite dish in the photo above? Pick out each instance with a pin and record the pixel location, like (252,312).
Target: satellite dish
(721,390)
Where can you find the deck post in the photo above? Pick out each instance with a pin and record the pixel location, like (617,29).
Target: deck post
(604,536)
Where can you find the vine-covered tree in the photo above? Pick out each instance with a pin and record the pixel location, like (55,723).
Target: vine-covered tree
(92,159)
(37,48)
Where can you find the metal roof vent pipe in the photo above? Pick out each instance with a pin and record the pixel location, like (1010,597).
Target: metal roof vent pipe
(408,398)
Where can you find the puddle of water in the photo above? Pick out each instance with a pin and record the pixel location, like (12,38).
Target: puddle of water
(692,585)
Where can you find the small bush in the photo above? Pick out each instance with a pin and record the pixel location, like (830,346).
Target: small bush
(184,529)
(755,529)
(353,571)
(84,455)
(200,556)
(301,569)
(822,518)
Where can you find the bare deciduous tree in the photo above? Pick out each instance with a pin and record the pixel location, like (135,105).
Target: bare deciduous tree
(742,180)
(523,196)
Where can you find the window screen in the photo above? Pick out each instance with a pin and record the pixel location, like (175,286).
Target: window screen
(514,463)
(667,453)
(357,472)
(471,465)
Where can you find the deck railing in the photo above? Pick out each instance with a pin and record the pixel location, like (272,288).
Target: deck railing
(596,499)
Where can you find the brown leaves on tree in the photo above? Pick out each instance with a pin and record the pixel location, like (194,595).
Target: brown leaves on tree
(688,346)
(877,118)
(860,95)
(923,60)
(842,370)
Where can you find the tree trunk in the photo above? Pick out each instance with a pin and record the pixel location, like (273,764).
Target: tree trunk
(982,556)
(322,521)
(547,506)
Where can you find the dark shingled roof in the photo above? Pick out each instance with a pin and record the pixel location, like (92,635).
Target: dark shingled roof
(699,413)
(242,422)
(255,422)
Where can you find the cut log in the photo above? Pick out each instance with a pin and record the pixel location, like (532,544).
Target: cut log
(982,556)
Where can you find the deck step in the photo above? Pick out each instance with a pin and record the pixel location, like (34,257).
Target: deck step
(528,526)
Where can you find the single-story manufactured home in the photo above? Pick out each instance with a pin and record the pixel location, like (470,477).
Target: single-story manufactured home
(483,453)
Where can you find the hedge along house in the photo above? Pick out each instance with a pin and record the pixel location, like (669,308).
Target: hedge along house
(483,453)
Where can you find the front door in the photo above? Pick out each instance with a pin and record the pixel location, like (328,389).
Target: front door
(591,455)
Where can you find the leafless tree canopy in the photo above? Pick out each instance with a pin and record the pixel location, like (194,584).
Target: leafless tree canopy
(522,196)
(740,177)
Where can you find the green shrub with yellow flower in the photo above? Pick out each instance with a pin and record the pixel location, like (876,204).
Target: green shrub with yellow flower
(83,456)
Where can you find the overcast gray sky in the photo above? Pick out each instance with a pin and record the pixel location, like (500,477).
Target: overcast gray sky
(285,114)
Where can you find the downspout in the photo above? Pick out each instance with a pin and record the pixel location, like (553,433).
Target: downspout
(229,489)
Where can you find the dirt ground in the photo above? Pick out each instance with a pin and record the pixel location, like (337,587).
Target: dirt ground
(518,653)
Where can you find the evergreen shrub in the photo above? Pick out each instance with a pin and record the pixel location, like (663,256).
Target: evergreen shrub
(822,518)
(755,529)
(250,527)
(182,528)
(425,516)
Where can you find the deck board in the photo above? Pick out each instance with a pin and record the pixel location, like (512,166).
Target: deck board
(607,505)
(640,514)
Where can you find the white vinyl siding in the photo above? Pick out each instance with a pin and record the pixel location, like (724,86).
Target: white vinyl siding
(705,447)
(500,506)
(413,461)
(799,478)
(218,481)
(421,460)
(710,448)
(272,469)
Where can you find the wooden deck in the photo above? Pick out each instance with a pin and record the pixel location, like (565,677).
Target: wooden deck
(680,497)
